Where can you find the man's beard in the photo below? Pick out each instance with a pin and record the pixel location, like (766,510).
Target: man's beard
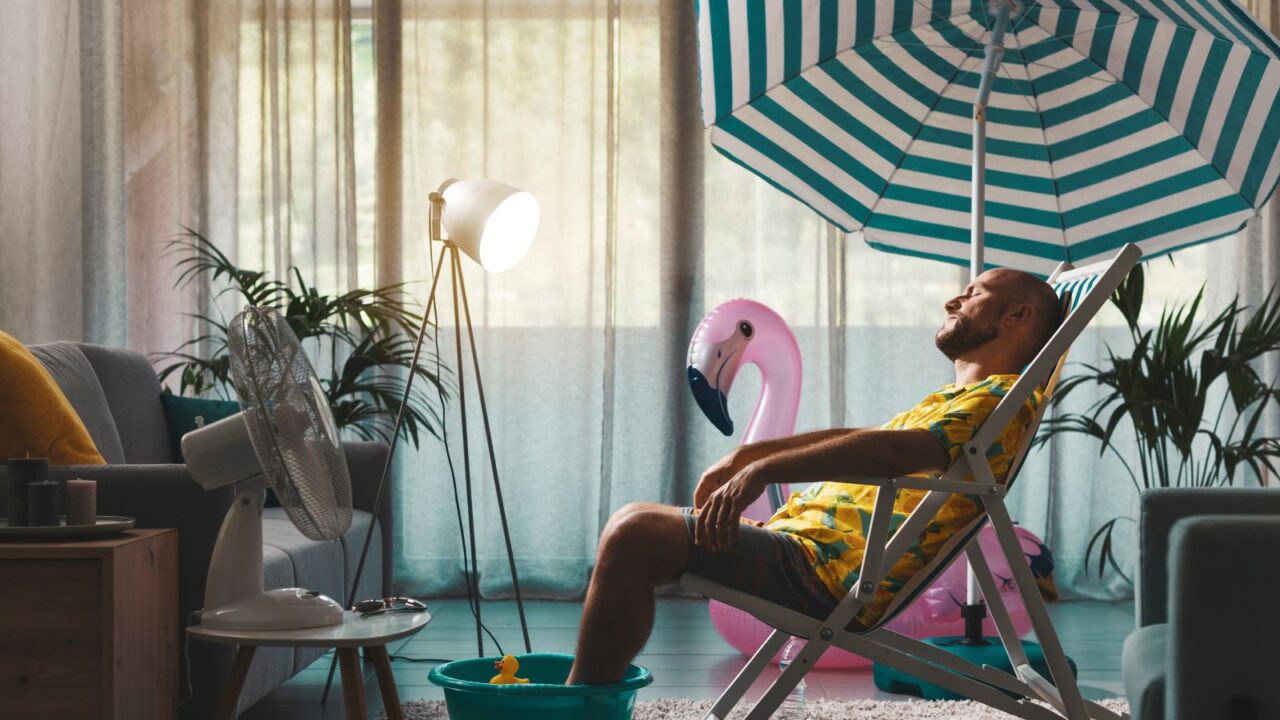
(963,337)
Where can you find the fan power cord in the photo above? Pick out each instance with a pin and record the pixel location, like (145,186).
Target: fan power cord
(193,618)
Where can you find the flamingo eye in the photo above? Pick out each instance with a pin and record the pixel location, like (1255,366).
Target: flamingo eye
(745,328)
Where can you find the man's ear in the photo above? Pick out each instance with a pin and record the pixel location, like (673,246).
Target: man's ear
(1019,313)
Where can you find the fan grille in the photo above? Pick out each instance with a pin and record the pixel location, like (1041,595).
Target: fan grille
(290,423)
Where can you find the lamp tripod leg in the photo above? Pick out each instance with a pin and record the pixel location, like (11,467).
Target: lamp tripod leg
(456,274)
(493,462)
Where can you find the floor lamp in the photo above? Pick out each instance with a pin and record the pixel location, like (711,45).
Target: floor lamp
(492,223)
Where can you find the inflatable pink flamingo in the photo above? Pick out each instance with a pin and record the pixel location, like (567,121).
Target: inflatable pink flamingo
(744,332)
(736,334)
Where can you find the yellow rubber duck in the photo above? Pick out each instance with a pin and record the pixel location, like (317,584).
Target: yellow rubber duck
(506,668)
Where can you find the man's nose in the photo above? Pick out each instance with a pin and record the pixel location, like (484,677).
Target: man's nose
(952,305)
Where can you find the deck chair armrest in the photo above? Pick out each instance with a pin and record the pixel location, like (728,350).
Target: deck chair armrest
(963,487)
(1160,509)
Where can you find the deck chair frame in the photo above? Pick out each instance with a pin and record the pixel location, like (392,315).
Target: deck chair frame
(1087,289)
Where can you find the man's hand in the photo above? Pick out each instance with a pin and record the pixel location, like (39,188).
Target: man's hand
(742,456)
(720,473)
(717,523)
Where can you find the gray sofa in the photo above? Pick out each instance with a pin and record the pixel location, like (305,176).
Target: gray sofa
(118,397)
(1208,606)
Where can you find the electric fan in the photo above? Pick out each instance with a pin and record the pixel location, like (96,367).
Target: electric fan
(283,437)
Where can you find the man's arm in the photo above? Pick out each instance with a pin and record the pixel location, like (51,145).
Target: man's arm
(860,453)
(766,448)
(871,452)
(744,455)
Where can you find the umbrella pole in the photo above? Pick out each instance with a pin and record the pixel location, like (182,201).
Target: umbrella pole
(974,610)
(978,211)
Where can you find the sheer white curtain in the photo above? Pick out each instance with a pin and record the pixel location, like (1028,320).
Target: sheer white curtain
(589,405)
(256,122)
(96,170)
(521,92)
(582,343)
(40,174)
(237,118)
(284,178)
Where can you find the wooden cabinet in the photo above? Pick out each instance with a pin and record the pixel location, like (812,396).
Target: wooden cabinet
(90,629)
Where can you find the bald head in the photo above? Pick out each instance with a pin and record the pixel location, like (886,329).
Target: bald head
(1001,320)
(1016,287)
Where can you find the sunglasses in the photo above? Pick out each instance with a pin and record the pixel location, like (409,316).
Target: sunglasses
(378,606)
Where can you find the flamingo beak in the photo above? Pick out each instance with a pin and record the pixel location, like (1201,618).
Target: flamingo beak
(714,404)
(712,367)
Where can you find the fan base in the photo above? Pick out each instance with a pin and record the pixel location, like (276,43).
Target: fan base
(282,609)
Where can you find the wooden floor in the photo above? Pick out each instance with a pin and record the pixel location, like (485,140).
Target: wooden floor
(686,655)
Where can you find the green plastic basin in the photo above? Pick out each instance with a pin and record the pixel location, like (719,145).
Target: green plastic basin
(469,696)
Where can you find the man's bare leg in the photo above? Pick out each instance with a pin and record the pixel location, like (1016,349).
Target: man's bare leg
(642,546)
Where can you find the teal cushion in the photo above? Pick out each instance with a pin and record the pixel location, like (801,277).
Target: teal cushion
(181,412)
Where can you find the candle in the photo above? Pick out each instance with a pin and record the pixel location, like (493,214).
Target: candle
(82,499)
(42,503)
(21,473)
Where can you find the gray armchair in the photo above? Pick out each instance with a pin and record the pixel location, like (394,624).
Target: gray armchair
(117,396)
(1208,612)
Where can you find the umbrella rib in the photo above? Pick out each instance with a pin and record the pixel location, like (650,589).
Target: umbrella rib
(1016,81)
(914,136)
(936,46)
(1109,79)
(1127,20)
(1044,135)
(1022,15)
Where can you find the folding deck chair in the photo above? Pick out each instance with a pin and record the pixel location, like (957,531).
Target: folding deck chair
(1083,291)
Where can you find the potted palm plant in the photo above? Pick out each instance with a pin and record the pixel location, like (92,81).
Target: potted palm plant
(361,342)
(1189,391)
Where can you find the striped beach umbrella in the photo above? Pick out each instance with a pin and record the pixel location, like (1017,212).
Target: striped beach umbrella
(1033,131)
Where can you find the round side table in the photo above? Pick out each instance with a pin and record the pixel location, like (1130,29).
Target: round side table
(371,633)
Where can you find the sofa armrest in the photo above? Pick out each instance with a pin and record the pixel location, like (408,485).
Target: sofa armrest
(364,465)
(1160,509)
(1222,629)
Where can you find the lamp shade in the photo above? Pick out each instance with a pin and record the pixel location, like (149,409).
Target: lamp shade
(492,222)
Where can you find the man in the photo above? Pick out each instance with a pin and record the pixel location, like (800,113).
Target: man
(808,555)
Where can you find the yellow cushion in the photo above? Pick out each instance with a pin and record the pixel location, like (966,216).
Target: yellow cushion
(35,416)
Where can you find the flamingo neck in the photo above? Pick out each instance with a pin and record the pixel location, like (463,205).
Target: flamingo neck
(775,413)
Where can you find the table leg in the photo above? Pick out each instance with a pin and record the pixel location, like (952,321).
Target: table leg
(386,681)
(352,683)
(231,693)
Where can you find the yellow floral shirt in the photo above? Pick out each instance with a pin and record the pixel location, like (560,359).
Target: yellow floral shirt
(830,519)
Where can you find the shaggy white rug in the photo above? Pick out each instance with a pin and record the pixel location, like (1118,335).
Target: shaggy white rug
(677,709)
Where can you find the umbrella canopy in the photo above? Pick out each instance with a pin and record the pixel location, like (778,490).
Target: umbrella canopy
(1109,121)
